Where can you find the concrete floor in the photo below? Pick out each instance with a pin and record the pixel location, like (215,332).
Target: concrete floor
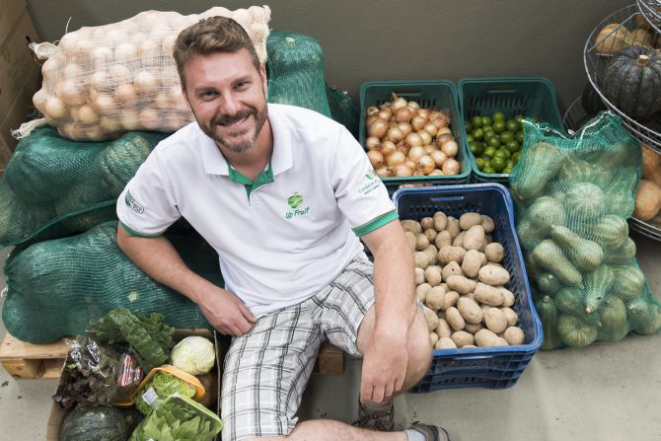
(604,392)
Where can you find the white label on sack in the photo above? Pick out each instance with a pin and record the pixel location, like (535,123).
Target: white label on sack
(150,396)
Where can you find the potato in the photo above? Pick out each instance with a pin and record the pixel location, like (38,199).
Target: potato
(444,286)
(473,238)
(412,226)
(449,254)
(431,235)
(442,239)
(460,284)
(431,318)
(488,238)
(471,296)
(512,318)
(470,346)
(488,295)
(426,223)
(495,252)
(445,343)
(486,338)
(468,220)
(508,297)
(440,221)
(462,338)
(421,259)
(495,320)
(483,307)
(410,237)
(472,327)
(433,275)
(469,310)
(419,276)
(435,298)
(451,299)
(421,242)
(454,319)
(472,263)
(502,342)
(493,275)
(433,338)
(451,269)
(459,240)
(513,335)
(487,224)
(432,252)
(453,227)
(443,329)
(422,290)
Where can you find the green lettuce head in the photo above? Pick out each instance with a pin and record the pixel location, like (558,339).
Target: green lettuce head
(158,388)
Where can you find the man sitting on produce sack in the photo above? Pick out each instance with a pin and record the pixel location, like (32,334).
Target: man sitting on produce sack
(283,195)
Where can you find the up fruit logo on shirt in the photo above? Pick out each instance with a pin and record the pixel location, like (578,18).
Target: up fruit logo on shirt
(294,201)
(133,204)
(372,184)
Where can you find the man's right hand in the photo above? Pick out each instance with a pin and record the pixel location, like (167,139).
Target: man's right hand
(226,312)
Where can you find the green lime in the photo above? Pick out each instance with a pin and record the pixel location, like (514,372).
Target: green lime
(468,126)
(489,151)
(512,125)
(498,126)
(480,163)
(506,137)
(470,138)
(489,170)
(478,133)
(516,157)
(498,163)
(510,163)
(519,136)
(504,153)
(486,121)
(476,147)
(499,116)
(494,141)
(476,121)
(507,170)
(518,118)
(513,146)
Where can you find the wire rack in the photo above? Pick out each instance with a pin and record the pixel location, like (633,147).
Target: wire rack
(651,10)
(646,131)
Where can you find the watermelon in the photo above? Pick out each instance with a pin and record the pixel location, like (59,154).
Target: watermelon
(94,423)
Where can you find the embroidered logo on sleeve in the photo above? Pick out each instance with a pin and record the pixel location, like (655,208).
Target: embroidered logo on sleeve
(133,204)
(372,182)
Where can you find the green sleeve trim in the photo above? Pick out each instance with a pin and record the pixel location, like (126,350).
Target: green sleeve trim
(376,223)
(132,232)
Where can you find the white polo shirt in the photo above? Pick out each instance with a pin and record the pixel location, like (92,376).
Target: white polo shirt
(281,238)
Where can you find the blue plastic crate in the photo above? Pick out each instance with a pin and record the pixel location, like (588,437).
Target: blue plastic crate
(493,367)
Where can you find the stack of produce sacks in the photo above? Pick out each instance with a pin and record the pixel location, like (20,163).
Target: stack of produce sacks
(573,197)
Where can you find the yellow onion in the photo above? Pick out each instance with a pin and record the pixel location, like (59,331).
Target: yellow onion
(414,104)
(439,157)
(397,103)
(431,129)
(414,139)
(87,115)
(395,134)
(149,118)
(443,119)
(372,142)
(403,114)
(405,128)
(124,93)
(414,111)
(443,130)
(71,93)
(384,172)
(416,152)
(429,148)
(395,158)
(372,110)
(451,167)
(402,170)
(436,172)
(105,104)
(402,147)
(426,137)
(423,113)
(418,123)
(378,128)
(376,158)
(387,147)
(55,108)
(410,164)
(370,120)
(426,164)
(450,148)
(385,114)
(443,138)
(434,114)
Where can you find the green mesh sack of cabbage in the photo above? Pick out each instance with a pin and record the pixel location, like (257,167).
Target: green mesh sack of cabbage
(56,287)
(573,196)
(54,187)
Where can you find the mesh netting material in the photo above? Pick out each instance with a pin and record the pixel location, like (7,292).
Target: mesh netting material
(573,196)
(343,109)
(55,187)
(56,287)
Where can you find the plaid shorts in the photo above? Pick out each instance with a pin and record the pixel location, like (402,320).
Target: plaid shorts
(266,370)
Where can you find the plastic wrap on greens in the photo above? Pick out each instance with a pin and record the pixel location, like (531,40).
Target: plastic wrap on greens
(158,388)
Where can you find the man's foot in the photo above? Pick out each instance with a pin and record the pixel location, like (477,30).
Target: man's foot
(425,432)
(378,418)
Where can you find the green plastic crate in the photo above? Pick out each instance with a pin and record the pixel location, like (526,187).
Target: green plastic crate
(527,96)
(439,94)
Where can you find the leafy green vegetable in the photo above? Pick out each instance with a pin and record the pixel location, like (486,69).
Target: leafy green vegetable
(149,337)
(178,418)
(158,388)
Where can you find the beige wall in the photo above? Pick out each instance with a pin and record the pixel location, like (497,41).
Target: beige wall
(389,39)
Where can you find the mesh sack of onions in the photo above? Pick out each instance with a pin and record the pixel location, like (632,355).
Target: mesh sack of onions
(107,80)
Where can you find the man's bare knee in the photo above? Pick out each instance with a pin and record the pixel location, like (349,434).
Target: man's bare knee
(420,352)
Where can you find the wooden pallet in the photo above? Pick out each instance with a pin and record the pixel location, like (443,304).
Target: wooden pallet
(27,361)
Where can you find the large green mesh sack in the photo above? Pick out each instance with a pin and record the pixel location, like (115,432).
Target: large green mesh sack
(55,187)
(343,109)
(56,287)
(296,71)
(573,197)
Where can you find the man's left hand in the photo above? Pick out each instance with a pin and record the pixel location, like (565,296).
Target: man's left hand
(384,367)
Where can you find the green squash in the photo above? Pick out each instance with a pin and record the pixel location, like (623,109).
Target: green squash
(621,255)
(528,236)
(538,165)
(644,316)
(550,257)
(545,213)
(632,82)
(574,169)
(613,315)
(598,285)
(585,201)
(548,283)
(585,254)
(548,314)
(575,332)
(571,301)
(628,283)
(93,423)
(611,231)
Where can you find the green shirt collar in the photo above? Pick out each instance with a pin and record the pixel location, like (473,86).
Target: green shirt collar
(265,177)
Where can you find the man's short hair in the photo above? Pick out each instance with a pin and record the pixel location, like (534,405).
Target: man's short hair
(209,36)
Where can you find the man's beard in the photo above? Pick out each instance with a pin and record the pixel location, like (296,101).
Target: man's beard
(260,120)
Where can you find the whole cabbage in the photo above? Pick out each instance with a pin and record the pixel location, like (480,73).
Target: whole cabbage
(194,355)
(162,384)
